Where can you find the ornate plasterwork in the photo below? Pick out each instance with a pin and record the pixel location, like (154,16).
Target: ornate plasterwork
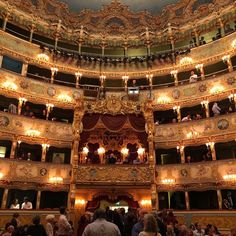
(118,175)
(195,176)
(30,172)
(115,19)
(220,128)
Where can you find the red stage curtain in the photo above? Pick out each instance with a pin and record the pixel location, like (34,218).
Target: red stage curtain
(137,122)
(90,121)
(113,123)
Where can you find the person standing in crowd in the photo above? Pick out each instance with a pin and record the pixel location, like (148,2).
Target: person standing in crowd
(199,231)
(138,227)
(49,227)
(64,227)
(15,204)
(150,226)
(83,222)
(15,221)
(36,229)
(216,109)
(26,205)
(101,227)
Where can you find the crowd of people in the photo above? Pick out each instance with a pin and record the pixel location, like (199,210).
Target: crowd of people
(53,227)
(140,223)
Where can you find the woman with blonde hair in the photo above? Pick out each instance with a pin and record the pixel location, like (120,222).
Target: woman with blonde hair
(150,226)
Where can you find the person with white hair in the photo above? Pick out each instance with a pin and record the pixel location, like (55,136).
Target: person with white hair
(50,219)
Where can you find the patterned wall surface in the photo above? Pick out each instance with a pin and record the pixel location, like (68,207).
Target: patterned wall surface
(114,174)
(222,127)
(204,173)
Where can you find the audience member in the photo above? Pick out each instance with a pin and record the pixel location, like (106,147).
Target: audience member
(193,77)
(15,221)
(186,118)
(64,227)
(9,230)
(150,226)
(36,229)
(198,231)
(26,205)
(216,109)
(138,227)
(12,109)
(49,227)
(100,226)
(15,204)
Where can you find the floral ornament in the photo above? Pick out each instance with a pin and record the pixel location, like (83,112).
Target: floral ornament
(223,124)
(134,173)
(175,93)
(202,88)
(43,171)
(93,173)
(51,91)
(184,172)
(24,84)
(76,95)
(4,121)
(230,80)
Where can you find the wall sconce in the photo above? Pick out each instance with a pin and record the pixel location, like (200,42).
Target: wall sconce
(168,181)
(102,80)
(232,97)
(101,152)
(1,175)
(217,89)
(54,70)
(19,142)
(176,109)
(230,177)
(9,85)
(186,61)
(210,144)
(45,146)
(80,202)
(33,133)
(22,101)
(141,151)
(163,100)
(233,44)
(226,58)
(146,202)
(85,150)
(149,78)
(125,151)
(49,107)
(192,134)
(56,179)
(78,76)
(64,98)
(174,73)
(199,67)
(43,57)
(180,148)
(204,104)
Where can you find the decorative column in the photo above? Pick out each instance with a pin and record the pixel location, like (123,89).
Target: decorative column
(196,35)
(4,199)
(125,79)
(180,149)
(199,67)
(82,32)
(211,147)
(78,76)
(174,74)
(32,29)
(38,200)
(13,149)
(54,71)
(77,129)
(150,130)
(226,59)
(187,203)
(177,110)
(21,103)
(205,106)
(219,197)
(24,69)
(102,81)
(222,27)
(1,59)
(5,20)
(149,78)
(45,148)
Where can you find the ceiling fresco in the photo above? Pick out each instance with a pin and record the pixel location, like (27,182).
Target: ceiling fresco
(153,6)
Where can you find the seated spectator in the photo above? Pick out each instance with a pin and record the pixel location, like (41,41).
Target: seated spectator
(26,205)
(191,44)
(202,41)
(15,204)
(36,229)
(137,161)
(29,158)
(9,230)
(188,159)
(27,111)
(228,29)
(198,231)
(111,159)
(186,118)
(216,109)
(119,161)
(198,117)
(193,77)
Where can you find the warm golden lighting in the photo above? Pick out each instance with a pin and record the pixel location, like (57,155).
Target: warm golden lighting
(163,100)
(232,97)
(186,61)
(9,85)
(43,57)
(217,89)
(78,74)
(54,70)
(231,177)
(210,144)
(204,103)
(33,133)
(101,151)
(234,44)
(226,58)
(45,145)
(141,151)
(1,175)
(64,98)
(176,108)
(168,181)
(146,202)
(199,66)
(192,134)
(80,202)
(174,72)
(56,179)
(125,77)
(85,150)
(125,151)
